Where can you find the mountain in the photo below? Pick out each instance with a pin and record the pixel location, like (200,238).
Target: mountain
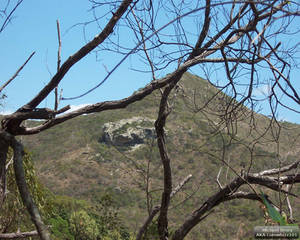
(114,152)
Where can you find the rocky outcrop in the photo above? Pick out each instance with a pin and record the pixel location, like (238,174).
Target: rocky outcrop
(132,132)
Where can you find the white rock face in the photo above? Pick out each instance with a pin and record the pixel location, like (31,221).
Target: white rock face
(131,132)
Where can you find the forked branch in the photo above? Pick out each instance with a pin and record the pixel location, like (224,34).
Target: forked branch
(230,191)
(156,209)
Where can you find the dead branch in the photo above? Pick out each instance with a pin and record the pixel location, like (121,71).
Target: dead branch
(279,170)
(229,192)
(180,185)
(17,72)
(81,53)
(37,113)
(18,235)
(218,177)
(288,189)
(149,219)
(56,101)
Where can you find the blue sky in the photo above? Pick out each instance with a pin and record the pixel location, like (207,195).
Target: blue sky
(34,29)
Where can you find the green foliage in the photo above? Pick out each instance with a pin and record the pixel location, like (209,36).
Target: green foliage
(82,226)
(68,218)
(106,213)
(81,220)
(112,235)
(60,228)
(116,235)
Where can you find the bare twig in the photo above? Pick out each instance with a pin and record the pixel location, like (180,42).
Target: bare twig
(218,177)
(291,218)
(144,46)
(180,185)
(58,64)
(9,16)
(59,46)
(17,72)
(156,209)
(229,192)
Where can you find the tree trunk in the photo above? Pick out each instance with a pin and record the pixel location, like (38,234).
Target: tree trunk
(3,156)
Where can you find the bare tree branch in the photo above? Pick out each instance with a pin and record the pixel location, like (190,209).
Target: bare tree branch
(56,101)
(79,55)
(23,188)
(18,235)
(159,127)
(229,192)
(9,16)
(17,72)
(241,43)
(279,170)
(156,209)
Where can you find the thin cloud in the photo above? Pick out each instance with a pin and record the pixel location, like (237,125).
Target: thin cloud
(263,90)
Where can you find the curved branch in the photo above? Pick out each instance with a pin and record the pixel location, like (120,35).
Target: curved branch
(8,18)
(24,192)
(149,219)
(159,127)
(23,188)
(229,192)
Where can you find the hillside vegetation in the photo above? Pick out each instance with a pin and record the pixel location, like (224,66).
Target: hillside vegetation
(73,160)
